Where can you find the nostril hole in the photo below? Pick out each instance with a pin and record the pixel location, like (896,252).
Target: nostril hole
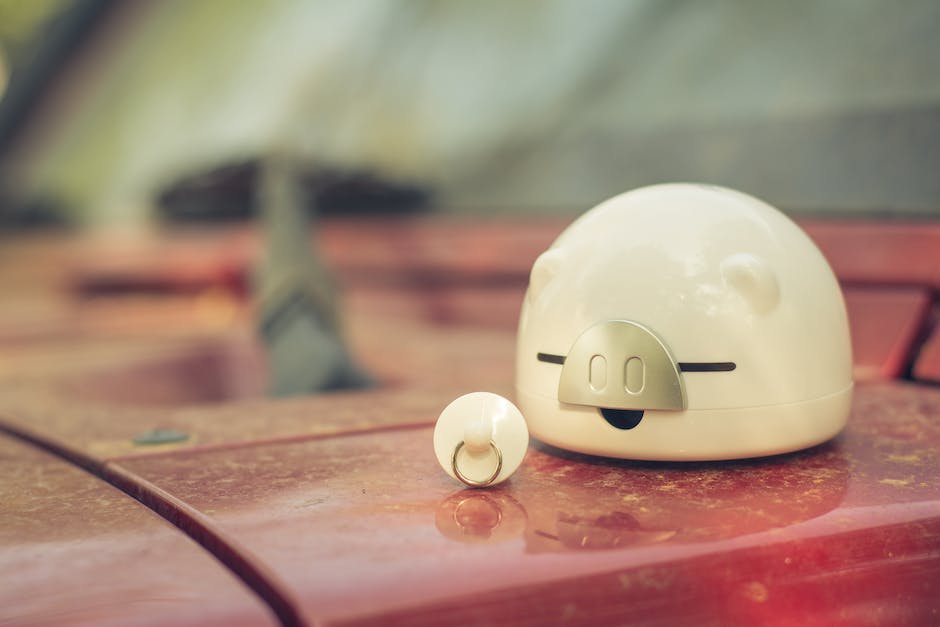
(634,375)
(597,376)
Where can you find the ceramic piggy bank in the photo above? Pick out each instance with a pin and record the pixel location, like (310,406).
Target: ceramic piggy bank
(683,322)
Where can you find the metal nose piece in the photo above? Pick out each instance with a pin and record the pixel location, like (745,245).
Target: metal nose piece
(620,364)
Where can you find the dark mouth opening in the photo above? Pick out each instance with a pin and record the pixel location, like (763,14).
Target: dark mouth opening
(622,418)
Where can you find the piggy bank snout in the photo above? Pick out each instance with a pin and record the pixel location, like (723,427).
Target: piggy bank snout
(621,364)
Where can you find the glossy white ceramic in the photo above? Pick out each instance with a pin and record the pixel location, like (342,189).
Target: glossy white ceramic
(703,281)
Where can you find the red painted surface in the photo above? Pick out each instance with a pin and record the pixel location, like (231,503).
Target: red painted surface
(333,508)
(449,251)
(76,551)
(365,528)
(882,252)
(454,251)
(927,366)
(459,273)
(885,323)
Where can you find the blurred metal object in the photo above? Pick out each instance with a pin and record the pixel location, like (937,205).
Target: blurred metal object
(298,316)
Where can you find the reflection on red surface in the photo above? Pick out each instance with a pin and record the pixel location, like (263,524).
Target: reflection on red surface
(475,516)
(616,505)
(824,536)
(607,507)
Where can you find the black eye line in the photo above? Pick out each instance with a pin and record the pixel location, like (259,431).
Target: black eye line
(551,359)
(684,366)
(707,366)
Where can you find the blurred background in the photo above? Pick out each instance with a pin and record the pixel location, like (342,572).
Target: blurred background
(175,153)
(122,113)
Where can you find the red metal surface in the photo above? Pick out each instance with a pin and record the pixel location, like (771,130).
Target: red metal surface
(440,251)
(459,273)
(885,322)
(882,252)
(365,528)
(333,508)
(927,366)
(455,251)
(76,551)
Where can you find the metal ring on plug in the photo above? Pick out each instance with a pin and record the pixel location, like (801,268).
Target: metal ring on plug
(472,482)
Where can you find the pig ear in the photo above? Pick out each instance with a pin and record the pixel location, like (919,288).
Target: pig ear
(545,268)
(752,278)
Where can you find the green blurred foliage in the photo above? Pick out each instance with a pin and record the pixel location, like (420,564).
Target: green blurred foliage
(22,20)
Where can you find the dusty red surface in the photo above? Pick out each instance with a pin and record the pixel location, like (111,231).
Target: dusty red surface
(333,509)
(77,551)
(370,529)
(886,323)
(927,366)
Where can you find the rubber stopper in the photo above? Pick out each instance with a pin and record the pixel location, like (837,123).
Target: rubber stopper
(481,436)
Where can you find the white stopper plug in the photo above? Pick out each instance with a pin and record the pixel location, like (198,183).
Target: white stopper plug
(480,439)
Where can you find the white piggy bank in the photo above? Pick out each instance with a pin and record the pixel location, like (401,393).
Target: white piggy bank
(683,322)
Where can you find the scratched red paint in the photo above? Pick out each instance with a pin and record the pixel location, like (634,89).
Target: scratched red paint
(365,528)
(76,551)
